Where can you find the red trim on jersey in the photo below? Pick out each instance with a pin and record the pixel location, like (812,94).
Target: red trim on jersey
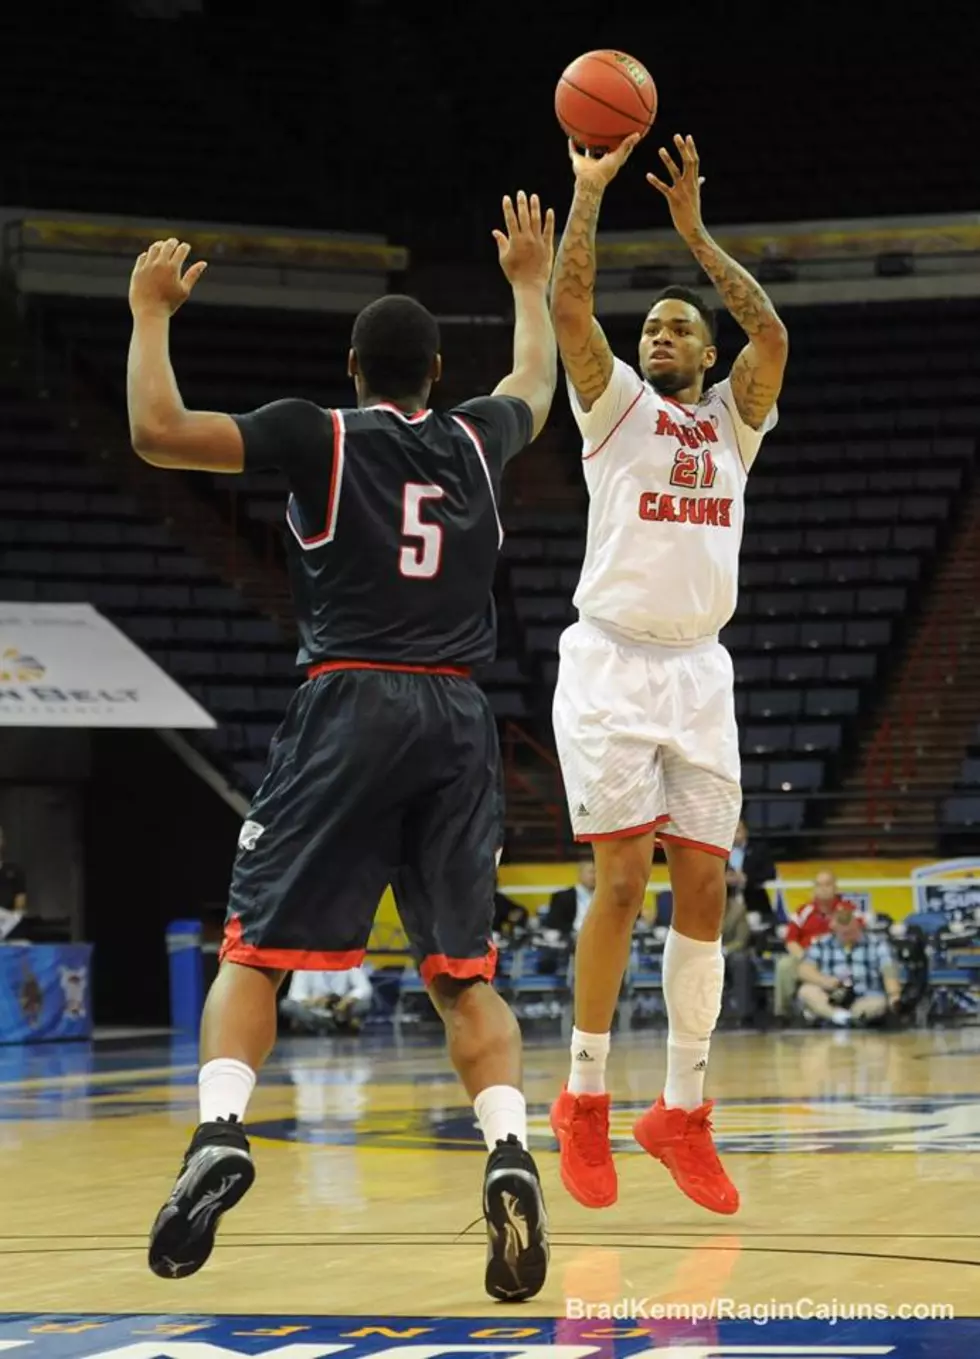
(461,969)
(325,667)
(478,444)
(413,417)
(284,959)
(624,834)
(716,850)
(616,426)
(333,494)
(738,445)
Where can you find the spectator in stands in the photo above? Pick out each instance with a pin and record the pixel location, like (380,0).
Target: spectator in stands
(809,924)
(750,867)
(849,976)
(328,1002)
(740,968)
(508,916)
(567,908)
(13,894)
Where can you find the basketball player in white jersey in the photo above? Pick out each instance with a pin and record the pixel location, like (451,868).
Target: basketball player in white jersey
(644,707)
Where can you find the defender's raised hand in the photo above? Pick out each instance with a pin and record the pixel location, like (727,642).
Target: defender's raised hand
(598,171)
(526,248)
(683,194)
(157,284)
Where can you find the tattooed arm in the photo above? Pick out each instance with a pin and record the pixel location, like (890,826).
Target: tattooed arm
(757,374)
(585,351)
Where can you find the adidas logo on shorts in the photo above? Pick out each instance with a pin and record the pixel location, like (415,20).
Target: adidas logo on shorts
(582,810)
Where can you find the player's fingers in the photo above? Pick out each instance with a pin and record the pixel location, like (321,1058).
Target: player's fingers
(523,211)
(501,240)
(668,160)
(168,247)
(180,255)
(154,252)
(141,260)
(194,273)
(626,148)
(549,228)
(683,149)
(659,184)
(693,149)
(510,217)
(535,206)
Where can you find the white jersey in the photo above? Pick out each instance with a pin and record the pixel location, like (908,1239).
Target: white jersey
(666,489)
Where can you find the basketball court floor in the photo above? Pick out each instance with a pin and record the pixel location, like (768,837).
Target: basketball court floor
(858,1158)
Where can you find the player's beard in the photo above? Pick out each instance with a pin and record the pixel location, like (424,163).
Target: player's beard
(670,381)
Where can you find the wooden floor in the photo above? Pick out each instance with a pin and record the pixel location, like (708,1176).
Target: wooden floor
(858,1159)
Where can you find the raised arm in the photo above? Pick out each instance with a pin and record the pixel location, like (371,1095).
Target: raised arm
(526,252)
(757,374)
(585,351)
(163,432)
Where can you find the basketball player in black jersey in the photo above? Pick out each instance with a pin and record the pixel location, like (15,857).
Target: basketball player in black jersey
(386,766)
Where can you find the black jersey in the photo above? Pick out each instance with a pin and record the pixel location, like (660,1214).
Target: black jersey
(393,527)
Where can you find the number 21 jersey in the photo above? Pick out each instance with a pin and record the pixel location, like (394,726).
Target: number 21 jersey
(393,530)
(666,489)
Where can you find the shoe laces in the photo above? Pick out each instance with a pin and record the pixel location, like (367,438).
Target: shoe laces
(590,1133)
(697,1145)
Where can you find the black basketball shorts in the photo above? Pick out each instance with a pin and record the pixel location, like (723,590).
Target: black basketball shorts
(375,777)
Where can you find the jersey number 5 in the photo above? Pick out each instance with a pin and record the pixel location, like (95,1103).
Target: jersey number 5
(422,558)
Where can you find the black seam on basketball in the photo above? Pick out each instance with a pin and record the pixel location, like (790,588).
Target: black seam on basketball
(628,79)
(640,122)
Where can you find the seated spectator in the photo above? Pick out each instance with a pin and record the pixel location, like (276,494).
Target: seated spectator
(750,867)
(13,898)
(740,968)
(328,1002)
(508,917)
(810,923)
(568,908)
(849,976)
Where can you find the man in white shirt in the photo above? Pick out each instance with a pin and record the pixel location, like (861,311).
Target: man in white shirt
(644,706)
(569,906)
(328,1002)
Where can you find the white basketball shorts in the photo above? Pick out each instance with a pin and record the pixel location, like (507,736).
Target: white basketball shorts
(647,739)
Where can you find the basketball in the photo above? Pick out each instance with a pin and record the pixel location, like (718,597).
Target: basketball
(604,97)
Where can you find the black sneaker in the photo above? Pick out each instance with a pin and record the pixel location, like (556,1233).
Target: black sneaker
(216,1173)
(517,1224)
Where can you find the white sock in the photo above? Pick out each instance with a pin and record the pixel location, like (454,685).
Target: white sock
(841,1016)
(225,1088)
(589,1053)
(694,975)
(501,1112)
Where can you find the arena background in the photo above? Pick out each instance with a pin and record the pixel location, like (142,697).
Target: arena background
(318,158)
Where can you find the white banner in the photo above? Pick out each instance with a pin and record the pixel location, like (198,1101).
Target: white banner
(64,665)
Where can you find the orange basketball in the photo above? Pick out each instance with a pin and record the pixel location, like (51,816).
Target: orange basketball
(604,97)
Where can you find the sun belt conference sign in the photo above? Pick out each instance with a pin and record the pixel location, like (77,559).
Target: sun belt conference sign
(64,665)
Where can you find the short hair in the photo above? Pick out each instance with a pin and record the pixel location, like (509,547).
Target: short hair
(395,339)
(693,299)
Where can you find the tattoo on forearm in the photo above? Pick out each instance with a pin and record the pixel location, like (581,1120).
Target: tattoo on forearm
(755,384)
(575,266)
(754,391)
(742,295)
(588,362)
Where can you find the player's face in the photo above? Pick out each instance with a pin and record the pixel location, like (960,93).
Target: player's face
(675,347)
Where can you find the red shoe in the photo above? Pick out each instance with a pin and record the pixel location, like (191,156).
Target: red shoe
(581,1124)
(682,1142)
